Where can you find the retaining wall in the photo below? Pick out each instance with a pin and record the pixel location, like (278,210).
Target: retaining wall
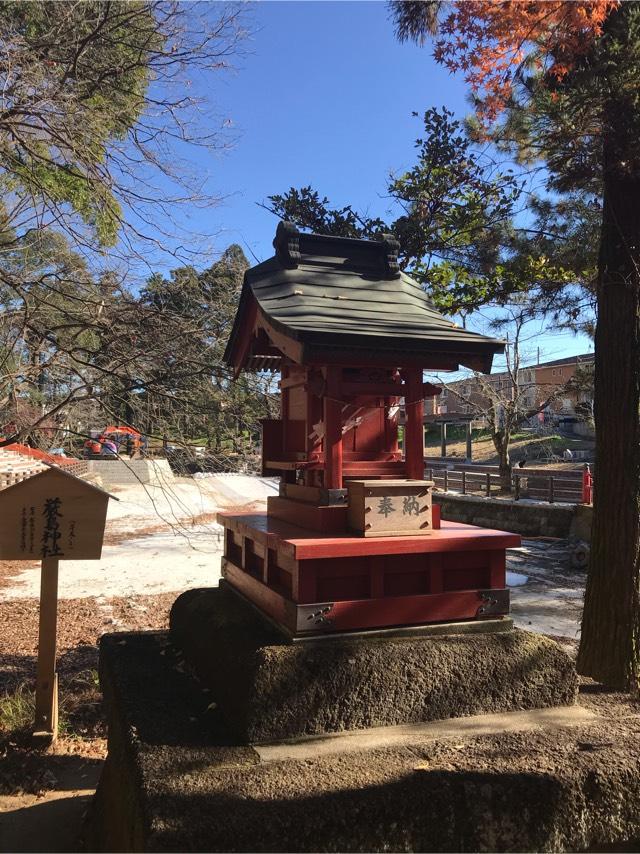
(522,517)
(120,472)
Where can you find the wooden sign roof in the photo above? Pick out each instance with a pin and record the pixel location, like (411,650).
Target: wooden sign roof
(324,299)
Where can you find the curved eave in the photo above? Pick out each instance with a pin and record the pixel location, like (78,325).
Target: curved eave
(239,325)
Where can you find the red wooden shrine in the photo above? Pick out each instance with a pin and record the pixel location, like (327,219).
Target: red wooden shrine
(351,336)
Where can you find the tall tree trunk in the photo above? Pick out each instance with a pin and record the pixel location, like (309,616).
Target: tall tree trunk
(609,649)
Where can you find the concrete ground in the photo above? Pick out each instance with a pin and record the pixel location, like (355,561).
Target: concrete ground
(546,593)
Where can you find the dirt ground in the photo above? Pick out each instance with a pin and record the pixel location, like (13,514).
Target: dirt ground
(43,795)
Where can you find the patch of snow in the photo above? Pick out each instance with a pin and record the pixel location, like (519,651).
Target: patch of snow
(516,579)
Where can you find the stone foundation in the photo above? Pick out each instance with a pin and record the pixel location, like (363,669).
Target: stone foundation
(175,781)
(270,689)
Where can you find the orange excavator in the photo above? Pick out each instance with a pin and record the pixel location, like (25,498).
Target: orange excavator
(127,439)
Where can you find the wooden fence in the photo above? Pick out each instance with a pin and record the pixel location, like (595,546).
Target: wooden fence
(537,484)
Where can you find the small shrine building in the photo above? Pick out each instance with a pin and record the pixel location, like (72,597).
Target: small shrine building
(351,336)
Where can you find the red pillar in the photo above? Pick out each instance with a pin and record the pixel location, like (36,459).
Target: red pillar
(333,430)
(587,485)
(414,427)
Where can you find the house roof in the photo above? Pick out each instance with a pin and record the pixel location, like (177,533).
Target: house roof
(332,293)
(582,359)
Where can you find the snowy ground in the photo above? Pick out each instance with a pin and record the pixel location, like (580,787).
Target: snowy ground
(165,539)
(179,546)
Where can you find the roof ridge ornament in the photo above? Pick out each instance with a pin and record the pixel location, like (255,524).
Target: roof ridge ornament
(287,244)
(391,252)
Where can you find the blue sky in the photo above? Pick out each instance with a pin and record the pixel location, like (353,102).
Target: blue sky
(324,96)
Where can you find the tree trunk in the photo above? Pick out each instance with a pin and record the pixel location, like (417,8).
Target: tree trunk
(609,649)
(505,469)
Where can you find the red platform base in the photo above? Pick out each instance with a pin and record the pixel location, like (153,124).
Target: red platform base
(308,582)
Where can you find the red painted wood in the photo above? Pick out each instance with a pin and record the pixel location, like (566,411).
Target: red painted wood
(333,430)
(288,347)
(405,610)
(394,575)
(327,520)
(269,566)
(271,442)
(284,415)
(444,540)
(587,486)
(252,546)
(377,577)
(275,604)
(368,438)
(498,569)
(436,521)
(377,389)
(374,468)
(367,359)
(369,457)
(435,566)
(245,338)
(358,614)
(295,439)
(304,545)
(314,416)
(414,428)
(350,467)
(305,587)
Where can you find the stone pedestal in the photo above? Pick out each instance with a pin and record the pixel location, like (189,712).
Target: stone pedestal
(176,779)
(269,688)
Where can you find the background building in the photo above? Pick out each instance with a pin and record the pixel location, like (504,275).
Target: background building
(556,391)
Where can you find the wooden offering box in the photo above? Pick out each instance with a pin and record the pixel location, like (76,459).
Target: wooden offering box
(390,508)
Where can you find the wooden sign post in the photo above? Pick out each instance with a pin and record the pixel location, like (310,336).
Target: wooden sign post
(46,726)
(52,516)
